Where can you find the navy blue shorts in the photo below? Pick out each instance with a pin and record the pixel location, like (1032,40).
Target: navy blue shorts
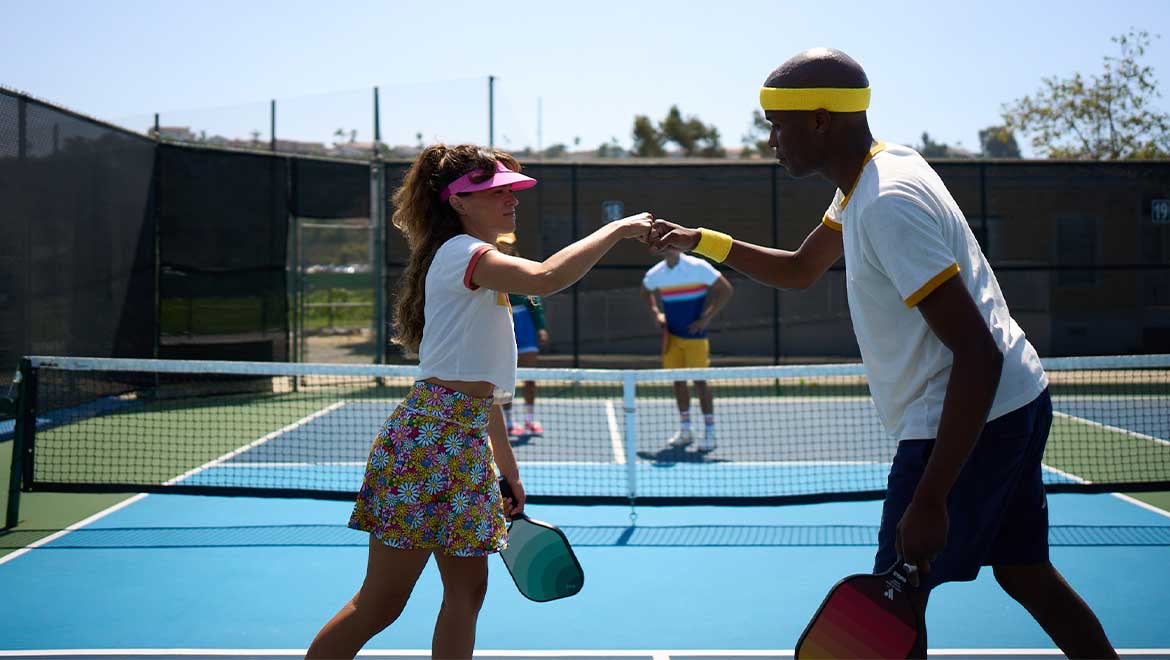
(997,508)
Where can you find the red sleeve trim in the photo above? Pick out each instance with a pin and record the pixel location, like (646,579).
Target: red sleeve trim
(479,252)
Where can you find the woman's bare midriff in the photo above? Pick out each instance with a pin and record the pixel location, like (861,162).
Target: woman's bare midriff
(481,389)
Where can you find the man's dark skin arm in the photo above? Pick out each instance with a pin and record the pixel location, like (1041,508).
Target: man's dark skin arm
(952,315)
(776,268)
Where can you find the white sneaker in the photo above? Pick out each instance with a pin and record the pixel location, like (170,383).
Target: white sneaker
(707,442)
(680,439)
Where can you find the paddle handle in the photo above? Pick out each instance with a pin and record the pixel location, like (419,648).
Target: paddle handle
(506,491)
(906,572)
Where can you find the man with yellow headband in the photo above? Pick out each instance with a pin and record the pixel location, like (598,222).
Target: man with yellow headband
(952,375)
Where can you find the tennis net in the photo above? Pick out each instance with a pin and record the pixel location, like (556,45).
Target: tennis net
(782,434)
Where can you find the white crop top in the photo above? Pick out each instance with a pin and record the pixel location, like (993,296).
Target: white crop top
(468,331)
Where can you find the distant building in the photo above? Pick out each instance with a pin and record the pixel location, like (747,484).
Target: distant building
(177,133)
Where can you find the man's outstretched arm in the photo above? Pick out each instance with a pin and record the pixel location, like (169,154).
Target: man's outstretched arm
(777,268)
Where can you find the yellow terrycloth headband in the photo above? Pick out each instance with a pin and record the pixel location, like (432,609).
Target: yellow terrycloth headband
(833,99)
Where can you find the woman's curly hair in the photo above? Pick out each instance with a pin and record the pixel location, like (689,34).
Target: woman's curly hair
(427,223)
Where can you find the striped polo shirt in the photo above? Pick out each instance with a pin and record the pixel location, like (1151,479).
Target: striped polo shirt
(683,290)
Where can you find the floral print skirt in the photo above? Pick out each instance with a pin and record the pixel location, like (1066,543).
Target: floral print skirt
(430,480)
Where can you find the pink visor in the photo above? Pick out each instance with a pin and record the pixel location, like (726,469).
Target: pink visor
(502,177)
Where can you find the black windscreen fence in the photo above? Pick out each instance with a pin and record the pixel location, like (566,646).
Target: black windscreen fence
(77,239)
(223,232)
(1081,251)
(115,245)
(329,189)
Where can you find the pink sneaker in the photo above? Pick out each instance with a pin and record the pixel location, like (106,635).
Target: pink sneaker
(516,431)
(534,428)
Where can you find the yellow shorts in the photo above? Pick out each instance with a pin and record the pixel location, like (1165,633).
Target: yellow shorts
(681,353)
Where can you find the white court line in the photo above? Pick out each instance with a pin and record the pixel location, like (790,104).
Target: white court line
(1114,429)
(255,443)
(545,400)
(240,464)
(589,653)
(291,464)
(74,527)
(1141,436)
(615,434)
(771,400)
(1078,398)
(134,498)
(1125,498)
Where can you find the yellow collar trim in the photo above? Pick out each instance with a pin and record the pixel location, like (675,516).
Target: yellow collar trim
(877,147)
(833,99)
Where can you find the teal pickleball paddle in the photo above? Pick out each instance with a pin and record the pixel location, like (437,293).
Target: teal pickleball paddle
(539,558)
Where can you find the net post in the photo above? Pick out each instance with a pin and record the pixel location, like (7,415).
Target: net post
(631,419)
(22,443)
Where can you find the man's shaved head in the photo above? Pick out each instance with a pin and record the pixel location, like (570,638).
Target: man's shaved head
(818,67)
(821,140)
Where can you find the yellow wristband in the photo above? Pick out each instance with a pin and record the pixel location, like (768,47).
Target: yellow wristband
(713,244)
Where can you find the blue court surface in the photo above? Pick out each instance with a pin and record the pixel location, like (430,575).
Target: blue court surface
(244,576)
(169,575)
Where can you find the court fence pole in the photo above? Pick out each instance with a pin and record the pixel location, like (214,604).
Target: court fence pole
(378,250)
(631,418)
(491,111)
(378,209)
(26,304)
(984,230)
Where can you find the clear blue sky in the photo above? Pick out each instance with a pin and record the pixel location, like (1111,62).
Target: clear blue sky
(941,66)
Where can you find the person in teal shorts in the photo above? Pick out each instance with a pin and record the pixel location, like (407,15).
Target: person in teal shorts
(531,336)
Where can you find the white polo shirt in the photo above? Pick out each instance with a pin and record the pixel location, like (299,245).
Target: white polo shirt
(904,235)
(467,331)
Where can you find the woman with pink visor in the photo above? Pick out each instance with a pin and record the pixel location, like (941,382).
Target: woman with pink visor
(430,484)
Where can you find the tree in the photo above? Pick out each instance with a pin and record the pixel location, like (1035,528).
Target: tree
(998,142)
(611,149)
(1109,116)
(931,149)
(647,138)
(755,141)
(691,135)
(556,151)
